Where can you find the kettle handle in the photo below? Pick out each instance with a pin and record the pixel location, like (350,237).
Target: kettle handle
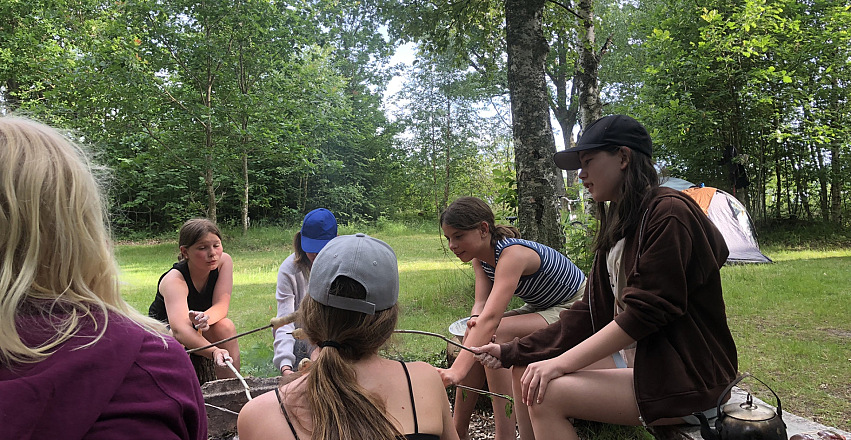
(739,379)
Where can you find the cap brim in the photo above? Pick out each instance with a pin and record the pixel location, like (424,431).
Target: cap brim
(566,160)
(312,245)
(569,159)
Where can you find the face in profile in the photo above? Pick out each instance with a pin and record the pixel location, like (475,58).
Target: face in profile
(602,173)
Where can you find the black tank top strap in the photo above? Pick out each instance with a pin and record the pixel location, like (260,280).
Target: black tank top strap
(284,411)
(411,393)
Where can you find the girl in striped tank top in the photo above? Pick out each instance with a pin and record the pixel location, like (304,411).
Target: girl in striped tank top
(505,266)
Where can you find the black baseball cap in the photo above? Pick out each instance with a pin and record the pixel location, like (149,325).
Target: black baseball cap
(614,130)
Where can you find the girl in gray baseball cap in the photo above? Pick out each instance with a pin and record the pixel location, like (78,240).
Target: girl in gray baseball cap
(349,391)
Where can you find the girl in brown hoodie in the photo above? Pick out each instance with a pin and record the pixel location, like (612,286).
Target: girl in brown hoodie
(649,343)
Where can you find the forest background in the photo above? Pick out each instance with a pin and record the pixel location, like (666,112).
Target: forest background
(253,112)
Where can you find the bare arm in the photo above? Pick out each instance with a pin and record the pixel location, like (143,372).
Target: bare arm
(222,291)
(174,291)
(513,263)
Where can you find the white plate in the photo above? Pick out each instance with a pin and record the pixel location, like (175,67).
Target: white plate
(459,327)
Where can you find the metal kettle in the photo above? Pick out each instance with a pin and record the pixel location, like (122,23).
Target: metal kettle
(744,421)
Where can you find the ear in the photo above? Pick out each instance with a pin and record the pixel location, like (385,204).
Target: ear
(484,228)
(183,251)
(625,154)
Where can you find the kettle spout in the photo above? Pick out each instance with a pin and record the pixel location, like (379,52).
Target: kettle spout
(707,432)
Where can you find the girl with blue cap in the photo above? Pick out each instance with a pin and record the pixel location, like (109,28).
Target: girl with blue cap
(317,229)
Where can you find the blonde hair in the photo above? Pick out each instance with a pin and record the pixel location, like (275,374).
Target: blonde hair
(56,257)
(340,407)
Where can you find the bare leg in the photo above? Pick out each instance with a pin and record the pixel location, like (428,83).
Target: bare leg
(225,328)
(524,421)
(521,412)
(499,381)
(465,401)
(602,395)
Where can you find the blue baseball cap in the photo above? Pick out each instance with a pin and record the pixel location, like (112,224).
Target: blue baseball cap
(318,229)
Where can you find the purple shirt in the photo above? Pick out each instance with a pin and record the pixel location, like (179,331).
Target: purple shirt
(127,385)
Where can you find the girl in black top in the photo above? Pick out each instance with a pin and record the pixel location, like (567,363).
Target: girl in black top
(193,297)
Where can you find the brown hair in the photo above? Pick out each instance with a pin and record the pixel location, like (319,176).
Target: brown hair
(621,218)
(467,213)
(340,407)
(301,261)
(194,230)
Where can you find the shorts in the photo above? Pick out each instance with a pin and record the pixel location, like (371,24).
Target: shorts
(549,314)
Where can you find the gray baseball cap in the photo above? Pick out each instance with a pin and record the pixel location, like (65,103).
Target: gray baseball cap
(367,260)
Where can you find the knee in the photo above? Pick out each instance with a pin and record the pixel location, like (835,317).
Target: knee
(516,375)
(225,327)
(504,334)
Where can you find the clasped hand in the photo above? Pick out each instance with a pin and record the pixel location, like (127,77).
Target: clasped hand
(199,320)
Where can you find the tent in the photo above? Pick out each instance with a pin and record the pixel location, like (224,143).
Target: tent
(729,216)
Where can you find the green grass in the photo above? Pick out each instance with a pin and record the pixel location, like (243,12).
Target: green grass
(790,319)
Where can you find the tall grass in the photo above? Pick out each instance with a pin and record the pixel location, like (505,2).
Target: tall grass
(789,319)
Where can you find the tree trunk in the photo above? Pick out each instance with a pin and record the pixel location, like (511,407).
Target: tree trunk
(590,107)
(565,108)
(211,190)
(245,194)
(534,144)
(836,183)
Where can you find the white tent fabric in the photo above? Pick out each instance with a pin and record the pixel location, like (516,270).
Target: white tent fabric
(734,222)
(676,183)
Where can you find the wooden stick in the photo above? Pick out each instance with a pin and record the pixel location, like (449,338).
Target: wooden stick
(241,379)
(420,332)
(275,323)
(476,390)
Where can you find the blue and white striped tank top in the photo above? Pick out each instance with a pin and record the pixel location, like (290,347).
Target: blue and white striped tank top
(556,281)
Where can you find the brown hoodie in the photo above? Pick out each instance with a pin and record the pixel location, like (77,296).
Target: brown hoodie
(685,355)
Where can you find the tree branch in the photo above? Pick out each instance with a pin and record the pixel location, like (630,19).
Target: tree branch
(566,8)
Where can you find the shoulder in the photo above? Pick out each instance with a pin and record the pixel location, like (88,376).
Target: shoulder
(425,377)
(288,266)
(257,417)
(173,282)
(518,250)
(668,203)
(225,261)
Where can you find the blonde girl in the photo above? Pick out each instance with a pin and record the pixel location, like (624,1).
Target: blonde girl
(76,361)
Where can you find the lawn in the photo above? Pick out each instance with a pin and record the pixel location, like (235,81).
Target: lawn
(790,319)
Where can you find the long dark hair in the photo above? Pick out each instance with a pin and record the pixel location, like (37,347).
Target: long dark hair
(619,219)
(467,213)
(301,261)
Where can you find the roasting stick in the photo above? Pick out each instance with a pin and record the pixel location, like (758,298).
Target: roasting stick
(420,332)
(476,390)
(275,323)
(241,379)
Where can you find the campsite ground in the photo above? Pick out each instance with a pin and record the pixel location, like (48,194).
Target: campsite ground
(790,318)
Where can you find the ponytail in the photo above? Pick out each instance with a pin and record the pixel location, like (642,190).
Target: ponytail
(340,407)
